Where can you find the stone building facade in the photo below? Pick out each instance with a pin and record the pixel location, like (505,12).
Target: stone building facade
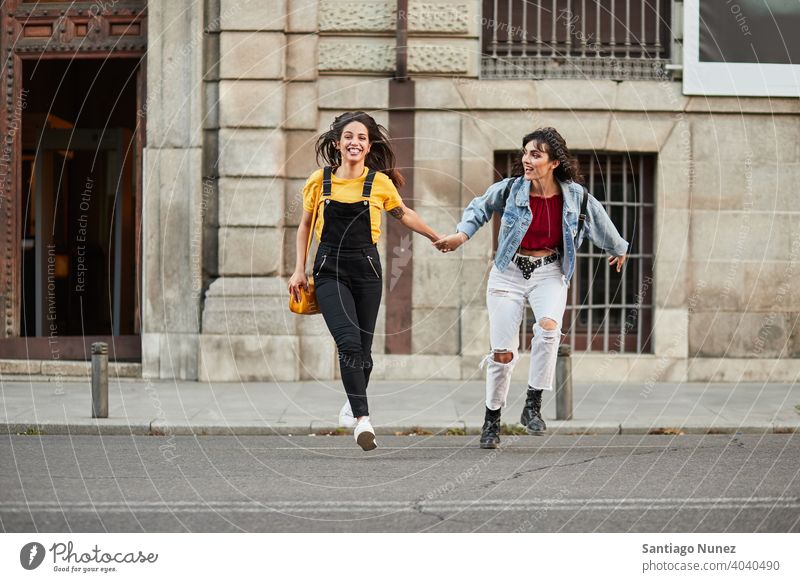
(266,78)
(238,91)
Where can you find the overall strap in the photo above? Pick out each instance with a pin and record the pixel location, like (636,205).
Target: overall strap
(326,181)
(368,183)
(314,220)
(582,215)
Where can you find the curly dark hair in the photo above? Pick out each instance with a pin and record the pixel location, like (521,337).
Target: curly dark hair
(380,157)
(549,141)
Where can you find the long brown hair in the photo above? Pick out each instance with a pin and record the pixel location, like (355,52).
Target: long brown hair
(380,157)
(549,141)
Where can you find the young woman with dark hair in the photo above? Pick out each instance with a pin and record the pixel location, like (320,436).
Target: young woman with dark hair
(540,232)
(359,179)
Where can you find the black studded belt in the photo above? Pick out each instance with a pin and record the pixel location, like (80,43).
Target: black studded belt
(528,264)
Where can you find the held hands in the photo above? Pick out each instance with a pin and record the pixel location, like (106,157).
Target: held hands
(451,242)
(297,281)
(618,261)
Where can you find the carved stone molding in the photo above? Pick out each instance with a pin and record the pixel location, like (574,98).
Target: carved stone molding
(381,16)
(338,55)
(438,59)
(369,15)
(445,18)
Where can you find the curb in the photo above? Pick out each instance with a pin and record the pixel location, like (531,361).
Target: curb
(103,427)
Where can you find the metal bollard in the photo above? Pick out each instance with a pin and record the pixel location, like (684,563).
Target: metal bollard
(100,380)
(564,383)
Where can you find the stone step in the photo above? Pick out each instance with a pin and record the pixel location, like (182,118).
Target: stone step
(53,370)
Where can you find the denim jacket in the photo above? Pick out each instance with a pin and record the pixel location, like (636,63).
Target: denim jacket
(517,216)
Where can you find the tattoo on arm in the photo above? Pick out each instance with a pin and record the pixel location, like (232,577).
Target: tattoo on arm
(398,212)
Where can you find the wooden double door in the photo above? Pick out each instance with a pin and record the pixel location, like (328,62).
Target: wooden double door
(73,82)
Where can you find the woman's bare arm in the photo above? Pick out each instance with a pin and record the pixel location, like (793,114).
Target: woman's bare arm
(413,221)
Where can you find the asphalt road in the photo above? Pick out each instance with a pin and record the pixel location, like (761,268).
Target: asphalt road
(686,483)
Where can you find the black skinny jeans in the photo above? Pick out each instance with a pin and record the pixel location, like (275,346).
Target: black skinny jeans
(349,286)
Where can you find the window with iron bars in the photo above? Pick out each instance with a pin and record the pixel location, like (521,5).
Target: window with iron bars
(607,311)
(577,39)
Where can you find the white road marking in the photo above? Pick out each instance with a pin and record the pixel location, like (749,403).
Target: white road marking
(438,506)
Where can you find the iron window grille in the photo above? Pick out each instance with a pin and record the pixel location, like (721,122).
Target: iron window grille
(608,311)
(576,39)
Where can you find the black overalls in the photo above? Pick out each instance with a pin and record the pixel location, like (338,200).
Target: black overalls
(347,275)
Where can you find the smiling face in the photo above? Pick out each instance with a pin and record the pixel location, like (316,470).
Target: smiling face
(354,143)
(536,162)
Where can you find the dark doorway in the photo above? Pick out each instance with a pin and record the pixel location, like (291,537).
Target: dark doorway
(79,211)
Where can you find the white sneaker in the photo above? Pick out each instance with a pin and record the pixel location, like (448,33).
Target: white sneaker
(346,418)
(365,434)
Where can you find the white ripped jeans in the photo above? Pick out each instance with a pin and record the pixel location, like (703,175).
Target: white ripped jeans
(506,295)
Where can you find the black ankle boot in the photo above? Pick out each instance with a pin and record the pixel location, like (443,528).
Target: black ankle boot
(531,417)
(490,434)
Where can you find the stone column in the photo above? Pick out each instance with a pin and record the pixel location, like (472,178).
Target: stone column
(172,218)
(267,124)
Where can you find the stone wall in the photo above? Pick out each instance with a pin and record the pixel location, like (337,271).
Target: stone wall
(725,236)
(275,74)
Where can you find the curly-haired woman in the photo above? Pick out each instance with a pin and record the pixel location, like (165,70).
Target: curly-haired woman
(545,218)
(359,180)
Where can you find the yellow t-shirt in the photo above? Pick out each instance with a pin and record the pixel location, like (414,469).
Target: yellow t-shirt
(384,196)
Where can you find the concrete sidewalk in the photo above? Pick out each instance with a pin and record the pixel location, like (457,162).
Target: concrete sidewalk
(176,407)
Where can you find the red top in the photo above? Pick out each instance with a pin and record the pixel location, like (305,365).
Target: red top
(545,229)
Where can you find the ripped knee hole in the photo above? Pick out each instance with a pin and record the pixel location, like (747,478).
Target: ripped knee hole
(503,356)
(548,324)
